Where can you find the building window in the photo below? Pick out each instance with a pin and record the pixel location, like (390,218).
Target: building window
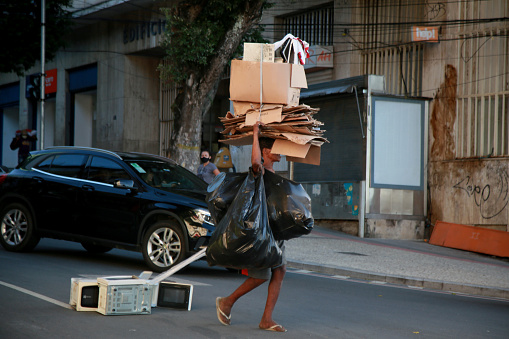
(386,46)
(483,81)
(315,26)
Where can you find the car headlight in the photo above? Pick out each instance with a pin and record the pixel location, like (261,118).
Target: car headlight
(202,216)
(199,224)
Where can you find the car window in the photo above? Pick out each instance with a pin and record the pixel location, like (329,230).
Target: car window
(34,160)
(167,176)
(106,171)
(45,165)
(68,165)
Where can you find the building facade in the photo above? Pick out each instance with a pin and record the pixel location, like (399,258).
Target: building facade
(414,96)
(465,72)
(457,55)
(105,88)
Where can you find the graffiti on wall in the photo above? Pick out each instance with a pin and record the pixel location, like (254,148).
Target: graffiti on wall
(435,10)
(349,196)
(491,198)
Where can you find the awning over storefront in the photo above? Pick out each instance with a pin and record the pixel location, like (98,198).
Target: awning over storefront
(334,87)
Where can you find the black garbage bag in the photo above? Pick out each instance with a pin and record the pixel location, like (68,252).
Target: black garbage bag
(288,204)
(243,238)
(289,207)
(221,192)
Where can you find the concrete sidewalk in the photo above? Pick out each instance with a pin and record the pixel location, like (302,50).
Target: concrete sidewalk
(407,262)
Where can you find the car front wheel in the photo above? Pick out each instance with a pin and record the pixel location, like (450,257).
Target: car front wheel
(17,229)
(163,246)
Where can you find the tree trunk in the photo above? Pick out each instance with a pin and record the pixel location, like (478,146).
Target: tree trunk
(200,89)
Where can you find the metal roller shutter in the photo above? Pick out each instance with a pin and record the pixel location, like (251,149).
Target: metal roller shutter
(343,159)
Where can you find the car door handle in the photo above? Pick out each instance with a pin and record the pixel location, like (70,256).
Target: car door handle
(39,180)
(87,188)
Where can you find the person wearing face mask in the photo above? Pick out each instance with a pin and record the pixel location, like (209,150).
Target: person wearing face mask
(207,170)
(23,142)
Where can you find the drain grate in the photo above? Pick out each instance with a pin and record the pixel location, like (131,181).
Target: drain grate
(353,253)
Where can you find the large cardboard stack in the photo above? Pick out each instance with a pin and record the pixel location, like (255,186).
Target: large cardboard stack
(269,92)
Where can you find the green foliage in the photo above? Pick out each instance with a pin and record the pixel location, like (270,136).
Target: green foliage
(20,24)
(194,30)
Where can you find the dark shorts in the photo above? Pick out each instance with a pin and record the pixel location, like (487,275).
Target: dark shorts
(265,273)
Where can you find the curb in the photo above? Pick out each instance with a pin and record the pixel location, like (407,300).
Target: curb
(485,291)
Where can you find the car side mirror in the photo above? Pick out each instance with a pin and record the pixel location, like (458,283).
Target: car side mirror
(124,183)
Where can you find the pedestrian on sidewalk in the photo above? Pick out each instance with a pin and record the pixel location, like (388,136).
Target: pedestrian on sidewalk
(256,277)
(207,170)
(23,142)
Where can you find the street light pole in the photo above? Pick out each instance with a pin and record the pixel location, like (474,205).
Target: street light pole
(43,75)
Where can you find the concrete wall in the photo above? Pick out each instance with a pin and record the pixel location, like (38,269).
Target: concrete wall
(141,110)
(472,192)
(465,191)
(9,127)
(110,103)
(84,108)
(395,229)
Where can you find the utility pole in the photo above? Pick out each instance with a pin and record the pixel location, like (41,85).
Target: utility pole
(43,74)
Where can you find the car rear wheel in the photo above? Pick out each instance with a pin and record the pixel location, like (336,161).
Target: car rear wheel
(17,229)
(93,248)
(163,246)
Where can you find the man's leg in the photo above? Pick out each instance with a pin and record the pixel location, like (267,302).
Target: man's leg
(226,303)
(276,281)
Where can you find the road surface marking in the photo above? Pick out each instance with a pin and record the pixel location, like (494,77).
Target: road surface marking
(37,295)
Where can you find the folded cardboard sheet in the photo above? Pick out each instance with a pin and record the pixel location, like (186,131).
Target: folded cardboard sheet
(294,152)
(297,133)
(253,112)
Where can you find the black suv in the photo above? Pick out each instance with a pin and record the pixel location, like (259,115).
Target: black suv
(105,200)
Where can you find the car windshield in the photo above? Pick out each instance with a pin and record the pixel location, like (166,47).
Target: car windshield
(167,176)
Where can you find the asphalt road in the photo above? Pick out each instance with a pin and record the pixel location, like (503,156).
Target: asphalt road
(34,296)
